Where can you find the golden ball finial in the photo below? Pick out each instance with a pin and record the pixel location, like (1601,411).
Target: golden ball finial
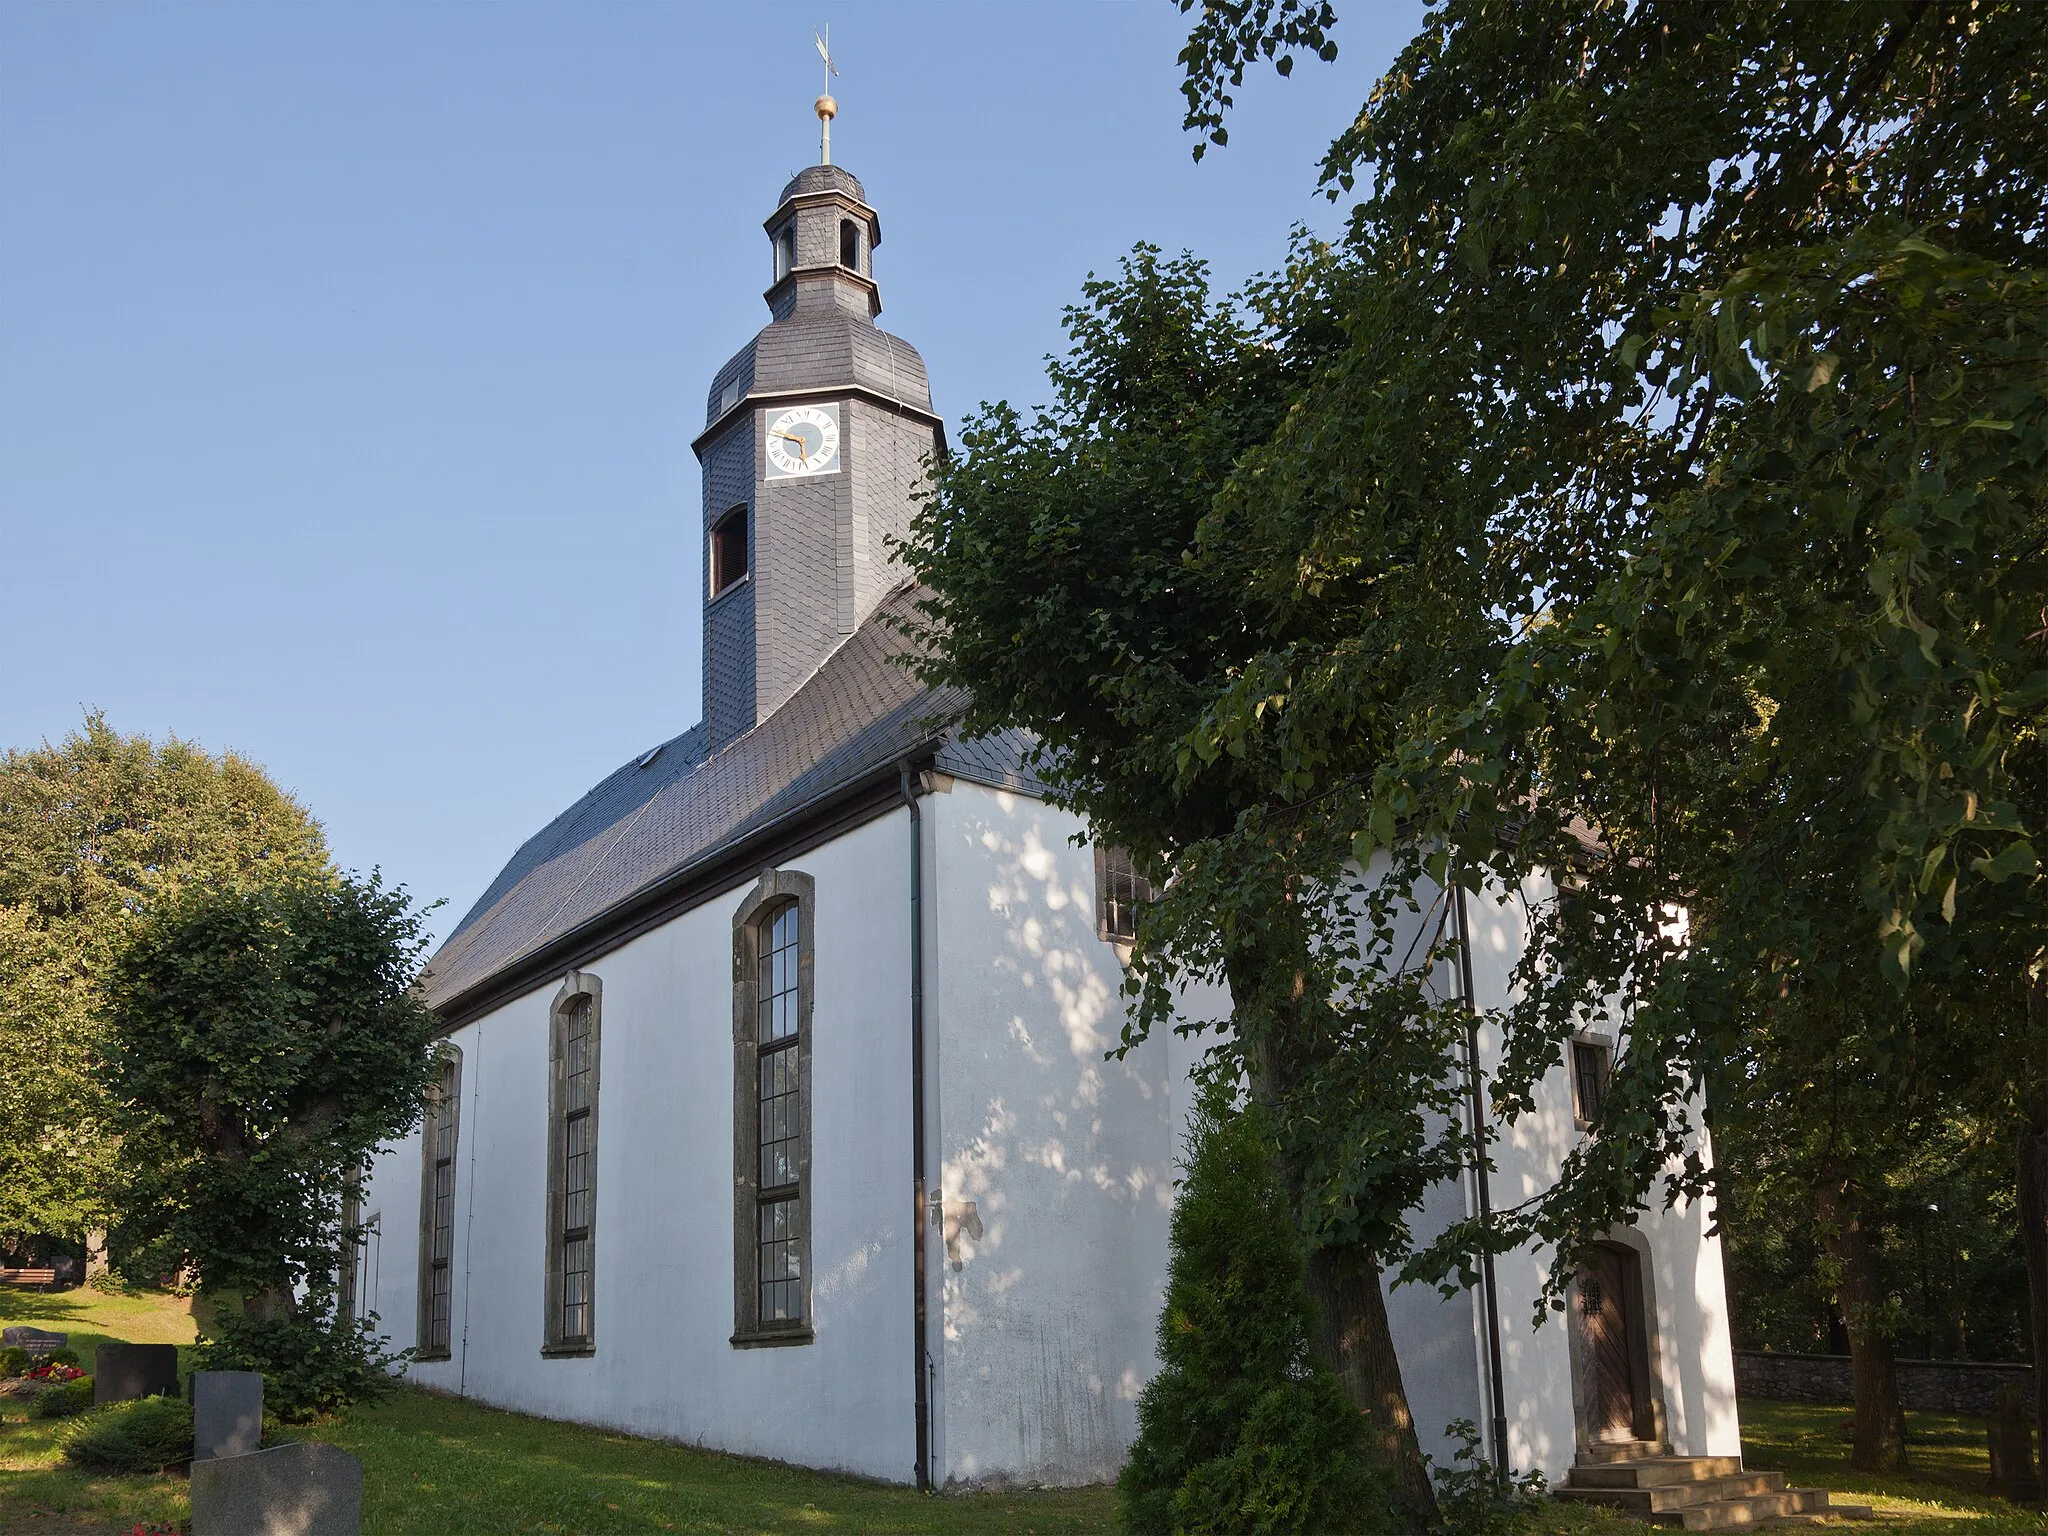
(827,108)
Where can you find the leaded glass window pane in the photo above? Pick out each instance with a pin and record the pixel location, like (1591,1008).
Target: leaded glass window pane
(1589,1078)
(1119,892)
(780,1126)
(576,1288)
(780,1267)
(576,1191)
(779,957)
(576,1058)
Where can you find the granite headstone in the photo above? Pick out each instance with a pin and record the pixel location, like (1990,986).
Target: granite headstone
(302,1489)
(34,1340)
(124,1371)
(227,1413)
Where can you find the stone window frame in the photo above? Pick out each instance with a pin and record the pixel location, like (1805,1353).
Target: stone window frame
(576,986)
(1587,1040)
(775,890)
(1113,865)
(444,1104)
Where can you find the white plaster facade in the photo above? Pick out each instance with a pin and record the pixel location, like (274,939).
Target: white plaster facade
(1056,1167)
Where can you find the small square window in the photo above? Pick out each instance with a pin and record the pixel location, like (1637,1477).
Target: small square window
(729,550)
(1119,892)
(1591,1065)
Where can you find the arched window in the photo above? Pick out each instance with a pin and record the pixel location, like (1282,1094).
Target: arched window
(572,1168)
(440,1131)
(849,244)
(728,550)
(785,251)
(772,942)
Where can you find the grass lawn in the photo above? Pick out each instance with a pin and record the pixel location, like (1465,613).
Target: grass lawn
(1947,1491)
(442,1467)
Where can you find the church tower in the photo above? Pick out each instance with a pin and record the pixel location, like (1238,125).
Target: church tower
(814,445)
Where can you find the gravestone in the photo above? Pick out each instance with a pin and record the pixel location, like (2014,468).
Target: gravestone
(302,1489)
(2011,1429)
(34,1340)
(227,1413)
(124,1371)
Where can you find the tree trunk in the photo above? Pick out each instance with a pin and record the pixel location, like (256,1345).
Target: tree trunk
(2032,1187)
(1352,1335)
(1880,1442)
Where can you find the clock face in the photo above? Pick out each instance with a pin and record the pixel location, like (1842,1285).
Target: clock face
(803,440)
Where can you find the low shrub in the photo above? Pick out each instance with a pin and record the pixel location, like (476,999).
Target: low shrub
(63,1399)
(61,1357)
(1243,1430)
(310,1365)
(14,1361)
(146,1435)
(1299,1464)
(1472,1499)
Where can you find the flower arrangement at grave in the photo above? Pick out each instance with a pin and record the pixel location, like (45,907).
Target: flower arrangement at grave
(55,1371)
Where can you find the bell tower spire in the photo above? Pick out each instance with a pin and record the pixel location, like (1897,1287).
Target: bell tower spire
(814,448)
(827,108)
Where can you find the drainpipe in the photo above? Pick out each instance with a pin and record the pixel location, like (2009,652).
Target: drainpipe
(1473,1080)
(920,1353)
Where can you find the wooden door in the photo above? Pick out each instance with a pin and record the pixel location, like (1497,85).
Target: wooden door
(1608,1314)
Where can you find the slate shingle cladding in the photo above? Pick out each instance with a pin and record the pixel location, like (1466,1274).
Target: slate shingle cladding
(651,821)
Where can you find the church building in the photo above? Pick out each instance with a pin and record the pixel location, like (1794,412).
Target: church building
(774,1114)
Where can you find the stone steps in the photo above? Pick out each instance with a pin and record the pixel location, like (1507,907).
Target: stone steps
(1699,1493)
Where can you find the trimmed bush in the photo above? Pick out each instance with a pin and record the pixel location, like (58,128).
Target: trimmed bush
(14,1361)
(61,1357)
(310,1366)
(62,1400)
(146,1435)
(1243,1430)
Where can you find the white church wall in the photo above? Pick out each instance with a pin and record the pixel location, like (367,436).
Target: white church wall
(1056,1167)
(1066,1159)
(1693,1358)
(663,1364)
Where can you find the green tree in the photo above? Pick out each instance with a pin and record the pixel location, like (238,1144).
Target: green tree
(92,832)
(1243,1429)
(265,1039)
(1737,316)
(1064,598)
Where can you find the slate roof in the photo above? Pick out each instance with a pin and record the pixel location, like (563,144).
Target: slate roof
(823,178)
(810,348)
(675,807)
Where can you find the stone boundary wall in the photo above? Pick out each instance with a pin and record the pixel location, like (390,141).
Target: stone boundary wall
(1942,1386)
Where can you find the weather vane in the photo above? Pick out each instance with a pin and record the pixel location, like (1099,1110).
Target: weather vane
(827,107)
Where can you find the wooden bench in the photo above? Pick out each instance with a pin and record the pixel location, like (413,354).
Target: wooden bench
(42,1277)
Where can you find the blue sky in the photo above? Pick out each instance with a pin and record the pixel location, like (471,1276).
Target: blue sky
(350,354)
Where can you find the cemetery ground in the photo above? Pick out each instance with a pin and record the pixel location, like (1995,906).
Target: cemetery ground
(440,1467)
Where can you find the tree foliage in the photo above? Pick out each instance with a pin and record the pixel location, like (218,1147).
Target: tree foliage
(1243,1429)
(92,832)
(1063,597)
(265,1039)
(1734,310)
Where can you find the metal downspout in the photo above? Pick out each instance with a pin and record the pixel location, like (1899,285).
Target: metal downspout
(1473,1081)
(921,1353)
